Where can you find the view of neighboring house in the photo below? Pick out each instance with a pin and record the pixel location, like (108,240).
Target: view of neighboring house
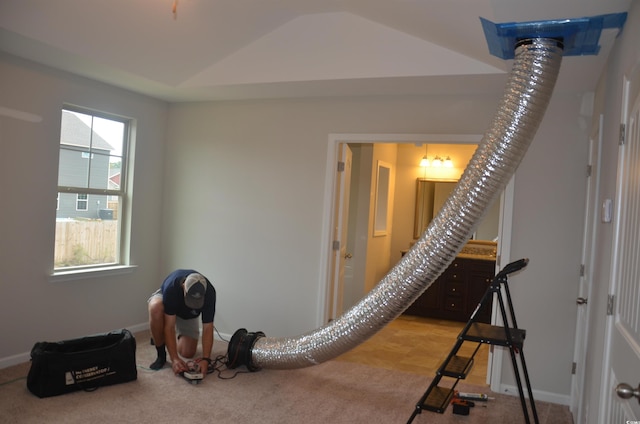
(84,162)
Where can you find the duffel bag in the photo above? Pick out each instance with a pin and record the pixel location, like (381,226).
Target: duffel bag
(82,364)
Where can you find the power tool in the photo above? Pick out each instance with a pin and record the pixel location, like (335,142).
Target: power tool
(193,374)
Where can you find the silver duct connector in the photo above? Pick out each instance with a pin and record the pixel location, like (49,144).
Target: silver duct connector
(529,88)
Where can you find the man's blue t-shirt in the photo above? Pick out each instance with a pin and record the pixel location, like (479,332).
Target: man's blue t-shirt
(173,297)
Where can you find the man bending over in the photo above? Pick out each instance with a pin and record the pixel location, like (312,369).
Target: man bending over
(173,311)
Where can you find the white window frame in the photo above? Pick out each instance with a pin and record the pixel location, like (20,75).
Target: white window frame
(122,261)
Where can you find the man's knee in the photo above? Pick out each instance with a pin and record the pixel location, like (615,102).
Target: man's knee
(187,346)
(156,309)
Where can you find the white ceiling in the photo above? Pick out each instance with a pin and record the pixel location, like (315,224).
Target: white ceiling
(238,49)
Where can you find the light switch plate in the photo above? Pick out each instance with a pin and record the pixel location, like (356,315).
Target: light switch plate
(607,210)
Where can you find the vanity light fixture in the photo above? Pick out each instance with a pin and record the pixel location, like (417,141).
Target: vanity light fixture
(425,160)
(437,162)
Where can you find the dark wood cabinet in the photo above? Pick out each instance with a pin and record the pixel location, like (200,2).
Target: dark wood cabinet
(457,292)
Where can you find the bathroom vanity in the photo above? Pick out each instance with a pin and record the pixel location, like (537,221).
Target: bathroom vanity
(458,290)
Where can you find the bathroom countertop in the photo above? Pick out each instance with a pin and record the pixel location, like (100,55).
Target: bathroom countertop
(481,250)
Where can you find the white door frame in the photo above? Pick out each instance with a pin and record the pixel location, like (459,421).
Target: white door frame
(494,369)
(586,280)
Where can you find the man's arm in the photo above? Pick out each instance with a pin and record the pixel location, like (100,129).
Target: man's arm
(207,346)
(177,364)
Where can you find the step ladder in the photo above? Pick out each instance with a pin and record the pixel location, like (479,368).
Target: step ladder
(455,368)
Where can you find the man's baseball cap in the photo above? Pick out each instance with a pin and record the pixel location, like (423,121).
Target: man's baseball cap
(195,287)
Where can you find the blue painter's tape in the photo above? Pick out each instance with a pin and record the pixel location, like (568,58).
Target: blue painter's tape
(579,36)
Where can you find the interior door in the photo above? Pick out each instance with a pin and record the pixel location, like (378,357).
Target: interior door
(585,284)
(340,231)
(623,327)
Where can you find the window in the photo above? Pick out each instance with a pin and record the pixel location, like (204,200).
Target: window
(91,190)
(81,202)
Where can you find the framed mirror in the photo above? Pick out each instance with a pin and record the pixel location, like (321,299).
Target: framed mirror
(430,196)
(383,183)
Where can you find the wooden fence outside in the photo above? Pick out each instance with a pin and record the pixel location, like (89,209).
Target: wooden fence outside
(85,242)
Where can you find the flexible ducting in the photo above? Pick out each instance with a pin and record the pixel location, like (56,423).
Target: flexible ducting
(527,94)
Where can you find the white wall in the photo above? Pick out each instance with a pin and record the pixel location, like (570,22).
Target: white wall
(32,308)
(379,246)
(245,204)
(547,228)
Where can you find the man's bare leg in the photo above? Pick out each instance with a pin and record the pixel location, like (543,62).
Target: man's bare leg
(156,325)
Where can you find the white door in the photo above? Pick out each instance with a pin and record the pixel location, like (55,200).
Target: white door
(622,363)
(584,288)
(341,219)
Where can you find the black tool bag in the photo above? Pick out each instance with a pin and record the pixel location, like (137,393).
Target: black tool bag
(82,364)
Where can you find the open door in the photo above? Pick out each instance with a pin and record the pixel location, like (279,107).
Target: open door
(339,243)
(586,275)
(622,357)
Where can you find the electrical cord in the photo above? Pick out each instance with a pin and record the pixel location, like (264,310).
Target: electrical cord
(220,335)
(219,366)
(5,383)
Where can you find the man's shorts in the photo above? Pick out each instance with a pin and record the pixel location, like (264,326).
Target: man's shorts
(184,327)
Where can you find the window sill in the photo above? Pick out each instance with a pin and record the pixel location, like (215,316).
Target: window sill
(80,274)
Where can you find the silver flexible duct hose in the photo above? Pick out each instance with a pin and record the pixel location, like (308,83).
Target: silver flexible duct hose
(527,94)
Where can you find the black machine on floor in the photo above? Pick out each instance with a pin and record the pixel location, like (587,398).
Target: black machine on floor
(438,397)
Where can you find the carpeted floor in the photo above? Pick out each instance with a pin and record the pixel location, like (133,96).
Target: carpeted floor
(333,392)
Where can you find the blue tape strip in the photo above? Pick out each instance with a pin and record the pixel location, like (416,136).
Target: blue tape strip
(579,36)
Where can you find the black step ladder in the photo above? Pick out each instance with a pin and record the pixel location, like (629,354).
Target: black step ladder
(455,368)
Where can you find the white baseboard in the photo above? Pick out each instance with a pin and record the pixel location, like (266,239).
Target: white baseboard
(138,327)
(15,360)
(538,395)
(26,356)
(223,337)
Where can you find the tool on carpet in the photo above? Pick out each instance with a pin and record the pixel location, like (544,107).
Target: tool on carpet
(193,374)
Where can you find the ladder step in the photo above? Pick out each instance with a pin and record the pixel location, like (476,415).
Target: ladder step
(438,399)
(458,367)
(494,335)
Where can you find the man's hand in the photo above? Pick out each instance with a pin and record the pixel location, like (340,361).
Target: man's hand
(178,366)
(204,367)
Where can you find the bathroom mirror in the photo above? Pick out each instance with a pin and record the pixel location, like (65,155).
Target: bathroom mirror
(383,182)
(431,195)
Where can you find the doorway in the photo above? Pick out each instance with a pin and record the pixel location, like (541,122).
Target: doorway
(360,226)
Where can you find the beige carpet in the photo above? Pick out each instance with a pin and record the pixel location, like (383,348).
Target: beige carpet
(333,392)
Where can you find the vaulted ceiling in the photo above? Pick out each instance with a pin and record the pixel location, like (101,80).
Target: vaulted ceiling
(239,49)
